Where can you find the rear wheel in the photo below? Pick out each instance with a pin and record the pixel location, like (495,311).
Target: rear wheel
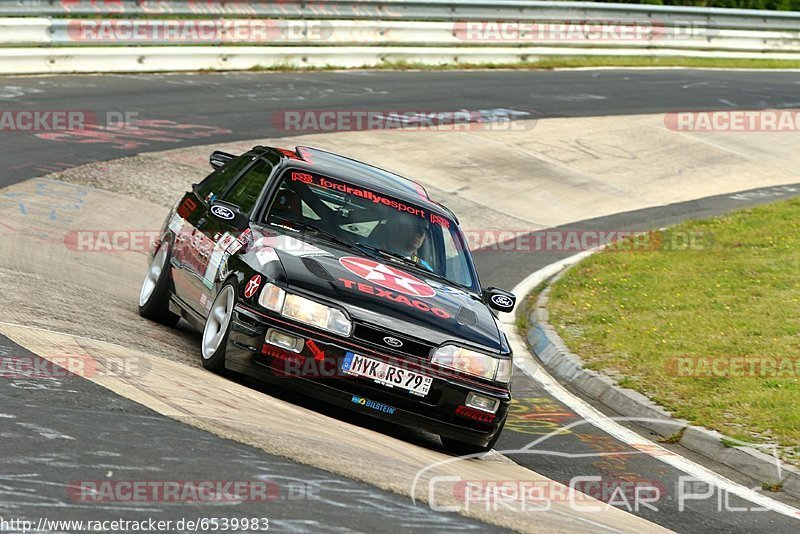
(154,296)
(462,448)
(217,328)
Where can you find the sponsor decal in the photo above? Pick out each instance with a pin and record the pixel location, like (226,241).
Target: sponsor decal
(302,177)
(226,214)
(193,250)
(187,207)
(477,415)
(315,350)
(281,354)
(373,405)
(388,277)
(252,286)
(218,257)
(241,242)
(266,255)
(393,342)
(402,299)
(441,221)
(503,301)
(327,183)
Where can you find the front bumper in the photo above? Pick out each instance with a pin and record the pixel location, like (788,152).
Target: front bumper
(318,374)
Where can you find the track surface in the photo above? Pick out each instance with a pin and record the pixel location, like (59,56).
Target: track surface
(243,104)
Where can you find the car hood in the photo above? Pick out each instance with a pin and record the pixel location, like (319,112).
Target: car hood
(380,292)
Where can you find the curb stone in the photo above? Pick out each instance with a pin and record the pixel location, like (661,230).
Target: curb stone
(548,347)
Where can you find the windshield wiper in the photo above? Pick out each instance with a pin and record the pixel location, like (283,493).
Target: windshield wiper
(399,257)
(316,230)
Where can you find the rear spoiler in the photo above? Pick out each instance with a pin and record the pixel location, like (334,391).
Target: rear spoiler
(218,158)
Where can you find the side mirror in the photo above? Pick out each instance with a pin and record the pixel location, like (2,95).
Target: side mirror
(500,299)
(218,158)
(230,214)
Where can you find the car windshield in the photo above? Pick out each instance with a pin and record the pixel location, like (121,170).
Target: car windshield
(375,223)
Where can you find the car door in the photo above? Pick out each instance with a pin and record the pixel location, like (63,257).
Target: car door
(192,249)
(218,234)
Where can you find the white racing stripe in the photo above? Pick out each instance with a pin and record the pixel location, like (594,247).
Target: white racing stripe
(524,361)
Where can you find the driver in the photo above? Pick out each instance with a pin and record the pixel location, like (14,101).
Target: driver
(409,238)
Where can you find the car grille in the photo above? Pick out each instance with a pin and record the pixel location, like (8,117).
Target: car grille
(374,336)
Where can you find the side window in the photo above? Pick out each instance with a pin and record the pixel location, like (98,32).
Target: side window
(245,193)
(215,184)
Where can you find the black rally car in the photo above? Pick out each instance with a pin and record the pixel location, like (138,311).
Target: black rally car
(341,280)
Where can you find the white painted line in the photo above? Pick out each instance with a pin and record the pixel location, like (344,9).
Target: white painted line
(524,361)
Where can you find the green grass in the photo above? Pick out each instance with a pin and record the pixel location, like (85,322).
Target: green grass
(556,62)
(634,312)
(644,61)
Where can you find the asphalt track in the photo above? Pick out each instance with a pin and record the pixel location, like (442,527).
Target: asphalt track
(244,104)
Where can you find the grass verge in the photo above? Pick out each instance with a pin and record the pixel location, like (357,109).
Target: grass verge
(563,62)
(710,331)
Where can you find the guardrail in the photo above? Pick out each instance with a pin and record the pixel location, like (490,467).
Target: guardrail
(336,32)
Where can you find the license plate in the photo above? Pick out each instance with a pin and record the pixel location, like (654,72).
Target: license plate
(387,374)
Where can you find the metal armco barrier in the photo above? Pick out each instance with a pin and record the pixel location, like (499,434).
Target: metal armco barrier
(75,35)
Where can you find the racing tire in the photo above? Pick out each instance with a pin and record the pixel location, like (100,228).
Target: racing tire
(154,295)
(217,329)
(461,448)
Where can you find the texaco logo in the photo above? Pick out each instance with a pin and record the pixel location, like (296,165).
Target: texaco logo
(387,277)
(252,286)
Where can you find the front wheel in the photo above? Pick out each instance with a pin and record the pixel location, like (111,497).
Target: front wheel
(218,326)
(462,448)
(154,296)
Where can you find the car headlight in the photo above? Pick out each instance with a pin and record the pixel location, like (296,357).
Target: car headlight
(304,310)
(473,363)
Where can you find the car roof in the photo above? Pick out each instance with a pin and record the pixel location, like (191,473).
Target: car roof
(360,174)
